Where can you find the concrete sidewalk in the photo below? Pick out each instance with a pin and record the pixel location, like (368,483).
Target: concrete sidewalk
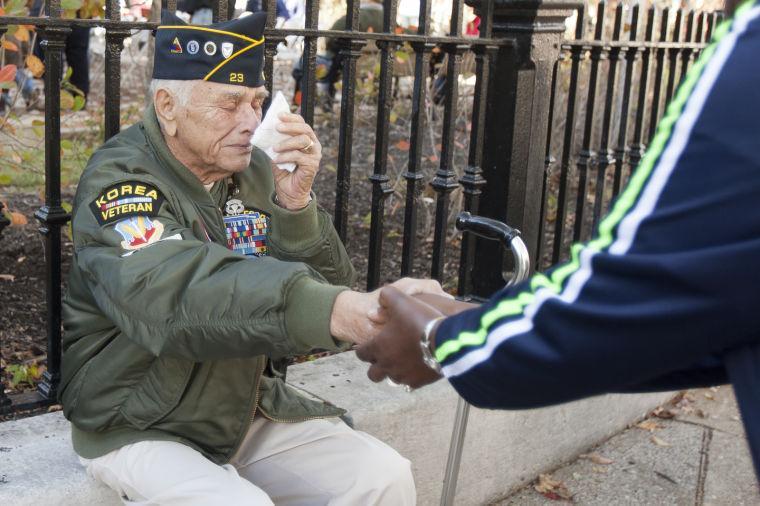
(693,453)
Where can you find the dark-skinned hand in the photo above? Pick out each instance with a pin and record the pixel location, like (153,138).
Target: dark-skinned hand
(395,351)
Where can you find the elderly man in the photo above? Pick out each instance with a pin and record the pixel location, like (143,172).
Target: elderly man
(197,261)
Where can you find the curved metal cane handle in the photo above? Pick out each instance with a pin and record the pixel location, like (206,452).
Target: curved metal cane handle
(508,236)
(497,231)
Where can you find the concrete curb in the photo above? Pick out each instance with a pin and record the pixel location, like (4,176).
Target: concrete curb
(503,450)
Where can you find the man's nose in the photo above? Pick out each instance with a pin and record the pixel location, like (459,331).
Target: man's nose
(250,120)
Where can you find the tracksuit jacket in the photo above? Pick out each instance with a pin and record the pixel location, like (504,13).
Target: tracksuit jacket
(667,293)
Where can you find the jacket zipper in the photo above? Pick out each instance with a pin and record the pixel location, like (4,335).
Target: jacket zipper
(258,393)
(257,382)
(296,420)
(302,418)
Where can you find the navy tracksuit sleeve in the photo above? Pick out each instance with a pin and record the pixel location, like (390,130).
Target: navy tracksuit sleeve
(708,372)
(669,284)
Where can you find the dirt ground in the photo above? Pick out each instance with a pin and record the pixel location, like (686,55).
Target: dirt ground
(23,326)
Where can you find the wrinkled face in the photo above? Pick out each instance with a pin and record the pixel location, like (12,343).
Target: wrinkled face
(217,123)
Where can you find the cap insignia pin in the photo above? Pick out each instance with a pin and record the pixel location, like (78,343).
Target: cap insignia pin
(227,49)
(176,46)
(209,48)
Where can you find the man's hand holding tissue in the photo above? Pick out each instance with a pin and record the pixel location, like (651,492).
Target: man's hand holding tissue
(302,148)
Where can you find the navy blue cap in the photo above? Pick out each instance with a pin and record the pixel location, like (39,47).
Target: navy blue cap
(231,52)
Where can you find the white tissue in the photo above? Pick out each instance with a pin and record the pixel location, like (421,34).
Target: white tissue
(266,136)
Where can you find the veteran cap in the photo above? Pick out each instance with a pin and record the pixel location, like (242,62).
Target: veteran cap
(231,52)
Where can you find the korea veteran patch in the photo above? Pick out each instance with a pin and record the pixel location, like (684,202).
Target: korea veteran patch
(126,199)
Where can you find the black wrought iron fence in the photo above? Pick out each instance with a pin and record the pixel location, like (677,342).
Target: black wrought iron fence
(527,79)
(609,90)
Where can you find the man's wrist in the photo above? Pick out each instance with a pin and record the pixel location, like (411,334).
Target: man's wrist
(427,344)
(290,205)
(337,317)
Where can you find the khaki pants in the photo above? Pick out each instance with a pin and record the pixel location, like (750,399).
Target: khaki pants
(308,463)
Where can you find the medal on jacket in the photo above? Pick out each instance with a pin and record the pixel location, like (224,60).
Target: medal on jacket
(246,229)
(234,207)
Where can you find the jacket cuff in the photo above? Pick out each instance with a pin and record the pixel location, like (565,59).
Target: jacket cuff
(308,310)
(295,230)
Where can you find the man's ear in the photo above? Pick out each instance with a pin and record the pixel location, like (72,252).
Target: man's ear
(167,109)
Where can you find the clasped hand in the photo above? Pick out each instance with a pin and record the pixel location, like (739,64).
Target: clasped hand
(387,325)
(358,317)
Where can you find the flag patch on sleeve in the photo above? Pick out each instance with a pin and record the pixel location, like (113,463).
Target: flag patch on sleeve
(139,232)
(126,199)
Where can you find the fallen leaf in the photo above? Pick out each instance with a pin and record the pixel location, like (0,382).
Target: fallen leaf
(659,442)
(10,46)
(7,73)
(664,413)
(55,407)
(709,396)
(649,425)
(35,65)
(67,100)
(597,459)
(20,259)
(403,145)
(551,488)
(700,413)
(18,219)
(11,130)
(7,277)
(599,469)
(22,34)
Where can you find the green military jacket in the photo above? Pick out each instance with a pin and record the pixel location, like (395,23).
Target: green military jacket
(166,330)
